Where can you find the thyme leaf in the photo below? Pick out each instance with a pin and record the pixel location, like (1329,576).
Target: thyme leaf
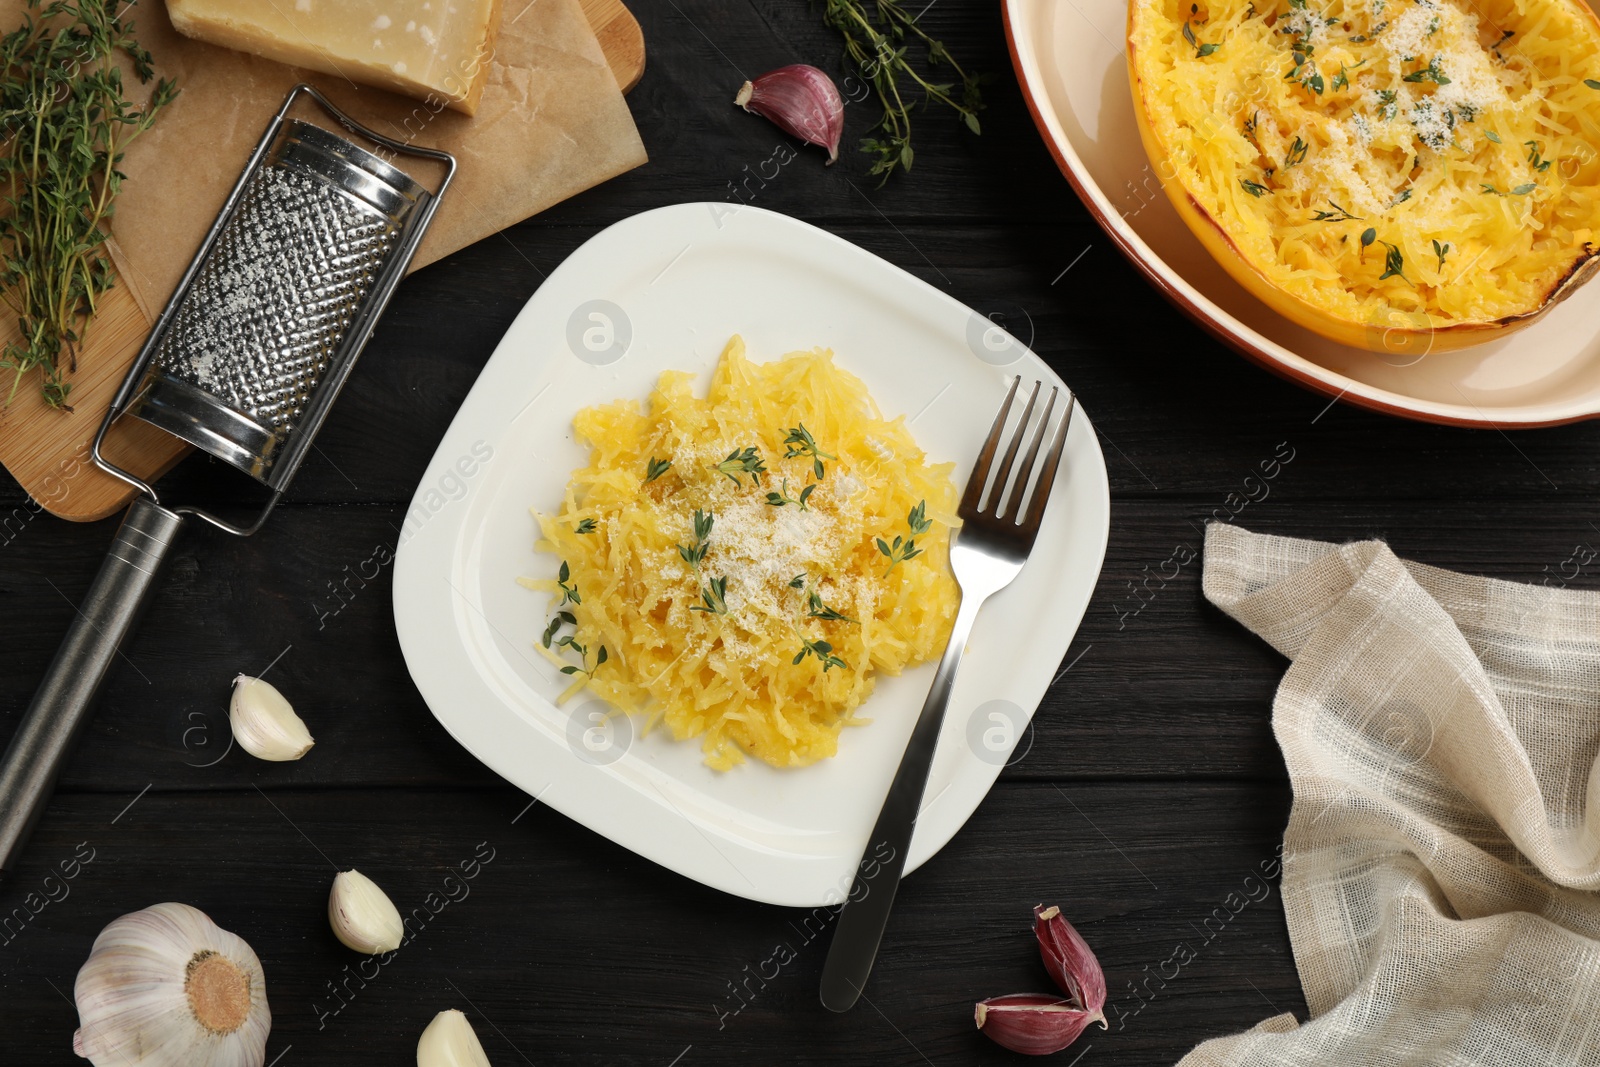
(656,468)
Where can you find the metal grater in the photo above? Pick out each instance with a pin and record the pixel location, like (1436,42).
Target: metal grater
(280,300)
(244,364)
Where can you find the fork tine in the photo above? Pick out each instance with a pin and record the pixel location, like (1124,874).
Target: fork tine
(1004,474)
(1047,474)
(980,466)
(1015,499)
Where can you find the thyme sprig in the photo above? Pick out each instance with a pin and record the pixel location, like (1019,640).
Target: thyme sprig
(1297,153)
(801,443)
(600,656)
(656,468)
(559,619)
(694,553)
(585,526)
(906,548)
(64,123)
(779,499)
(1521,190)
(742,461)
(713,598)
(1255,189)
(1441,250)
(1388,106)
(1200,50)
(1394,264)
(824,652)
(1338,214)
(1431,72)
(816,609)
(569,593)
(878,45)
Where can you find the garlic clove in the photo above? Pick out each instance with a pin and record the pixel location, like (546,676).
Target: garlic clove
(165,987)
(1071,962)
(449,1041)
(802,101)
(263,722)
(362,915)
(1035,1024)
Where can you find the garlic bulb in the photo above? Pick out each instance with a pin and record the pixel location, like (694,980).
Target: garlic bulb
(263,722)
(449,1041)
(164,986)
(362,916)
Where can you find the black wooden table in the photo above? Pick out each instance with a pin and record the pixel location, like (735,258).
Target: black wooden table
(1151,792)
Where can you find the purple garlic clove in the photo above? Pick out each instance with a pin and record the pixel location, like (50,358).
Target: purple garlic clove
(1035,1024)
(802,101)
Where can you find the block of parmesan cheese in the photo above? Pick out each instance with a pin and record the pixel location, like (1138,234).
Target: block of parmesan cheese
(423,48)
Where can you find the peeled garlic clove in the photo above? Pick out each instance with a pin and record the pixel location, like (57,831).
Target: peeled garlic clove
(802,101)
(263,722)
(449,1041)
(164,987)
(1071,962)
(1035,1024)
(362,915)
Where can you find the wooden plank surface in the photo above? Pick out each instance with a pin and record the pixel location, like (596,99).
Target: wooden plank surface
(47,450)
(1151,788)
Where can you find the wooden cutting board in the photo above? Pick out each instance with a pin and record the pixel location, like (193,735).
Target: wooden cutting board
(47,451)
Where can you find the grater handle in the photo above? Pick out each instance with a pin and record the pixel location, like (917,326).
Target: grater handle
(62,703)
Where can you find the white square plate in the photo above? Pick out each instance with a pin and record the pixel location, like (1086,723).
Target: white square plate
(665,290)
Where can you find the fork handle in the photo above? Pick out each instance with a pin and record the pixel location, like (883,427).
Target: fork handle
(866,911)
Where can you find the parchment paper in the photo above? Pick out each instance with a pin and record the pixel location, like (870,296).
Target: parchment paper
(551,124)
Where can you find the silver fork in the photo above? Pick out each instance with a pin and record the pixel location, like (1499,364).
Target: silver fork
(988,551)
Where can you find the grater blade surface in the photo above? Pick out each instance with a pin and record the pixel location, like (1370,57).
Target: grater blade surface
(270,307)
(280,300)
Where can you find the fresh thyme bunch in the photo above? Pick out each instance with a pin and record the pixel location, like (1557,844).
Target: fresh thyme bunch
(64,123)
(878,47)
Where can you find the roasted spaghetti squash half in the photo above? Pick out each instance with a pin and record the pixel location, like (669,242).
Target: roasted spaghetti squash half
(1392,174)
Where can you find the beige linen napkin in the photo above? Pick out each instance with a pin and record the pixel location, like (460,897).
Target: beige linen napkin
(1442,855)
